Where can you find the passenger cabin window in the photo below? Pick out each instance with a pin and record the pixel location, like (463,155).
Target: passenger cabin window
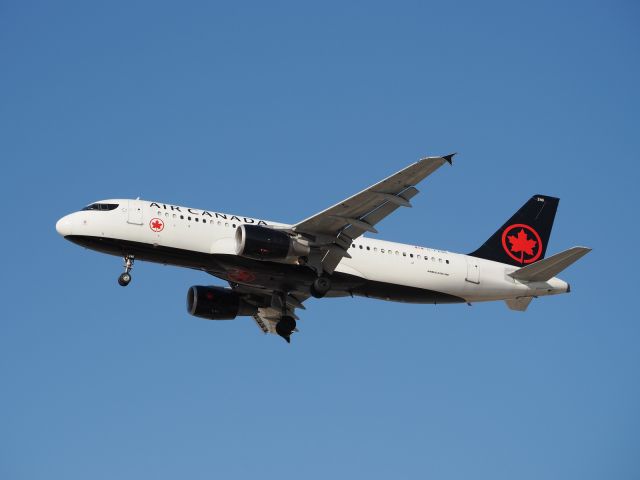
(101,206)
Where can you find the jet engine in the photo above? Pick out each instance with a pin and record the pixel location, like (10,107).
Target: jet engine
(262,243)
(217,303)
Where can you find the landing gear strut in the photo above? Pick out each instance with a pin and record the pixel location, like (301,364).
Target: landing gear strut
(125,278)
(320,286)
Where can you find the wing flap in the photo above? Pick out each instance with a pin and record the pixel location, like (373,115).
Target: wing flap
(335,218)
(340,224)
(353,231)
(264,324)
(383,211)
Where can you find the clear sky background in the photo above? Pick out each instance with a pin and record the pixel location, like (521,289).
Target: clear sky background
(277,110)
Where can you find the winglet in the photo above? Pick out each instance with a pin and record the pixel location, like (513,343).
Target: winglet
(449,158)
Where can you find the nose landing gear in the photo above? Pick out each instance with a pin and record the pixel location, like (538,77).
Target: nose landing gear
(125,277)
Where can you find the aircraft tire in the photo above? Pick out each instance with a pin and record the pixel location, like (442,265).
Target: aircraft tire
(285,327)
(320,287)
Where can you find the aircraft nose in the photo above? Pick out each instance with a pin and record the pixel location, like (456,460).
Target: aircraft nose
(63,226)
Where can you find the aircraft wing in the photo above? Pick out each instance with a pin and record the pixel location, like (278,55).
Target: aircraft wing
(336,227)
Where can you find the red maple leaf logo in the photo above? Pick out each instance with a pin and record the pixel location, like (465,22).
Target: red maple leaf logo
(156,225)
(242,276)
(522,244)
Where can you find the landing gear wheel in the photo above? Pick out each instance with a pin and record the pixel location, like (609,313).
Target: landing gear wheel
(124,279)
(320,287)
(285,327)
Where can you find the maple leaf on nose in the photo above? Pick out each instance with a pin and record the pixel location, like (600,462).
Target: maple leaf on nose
(522,243)
(156,224)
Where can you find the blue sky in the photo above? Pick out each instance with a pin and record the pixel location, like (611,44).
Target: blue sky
(277,110)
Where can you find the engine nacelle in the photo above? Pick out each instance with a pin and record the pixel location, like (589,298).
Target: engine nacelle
(217,303)
(263,243)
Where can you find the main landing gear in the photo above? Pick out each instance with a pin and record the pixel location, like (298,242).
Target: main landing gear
(285,327)
(320,286)
(125,277)
(287,324)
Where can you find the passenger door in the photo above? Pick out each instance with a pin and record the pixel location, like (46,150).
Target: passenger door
(134,212)
(473,270)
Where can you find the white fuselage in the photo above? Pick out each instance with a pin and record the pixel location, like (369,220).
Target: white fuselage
(211,233)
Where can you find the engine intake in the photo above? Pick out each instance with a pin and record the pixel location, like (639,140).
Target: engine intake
(217,303)
(262,243)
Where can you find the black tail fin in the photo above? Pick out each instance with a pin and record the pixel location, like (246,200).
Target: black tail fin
(523,239)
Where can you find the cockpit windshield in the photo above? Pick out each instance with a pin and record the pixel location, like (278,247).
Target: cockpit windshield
(101,206)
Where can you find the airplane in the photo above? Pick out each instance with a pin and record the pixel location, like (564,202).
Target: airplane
(272,268)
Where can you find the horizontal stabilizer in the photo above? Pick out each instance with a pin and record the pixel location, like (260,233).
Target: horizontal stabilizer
(545,269)
(520,304)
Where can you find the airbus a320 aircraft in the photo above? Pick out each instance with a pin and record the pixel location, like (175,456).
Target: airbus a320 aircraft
(273,268)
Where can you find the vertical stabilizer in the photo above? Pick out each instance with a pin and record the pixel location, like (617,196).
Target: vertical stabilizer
(523,239)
